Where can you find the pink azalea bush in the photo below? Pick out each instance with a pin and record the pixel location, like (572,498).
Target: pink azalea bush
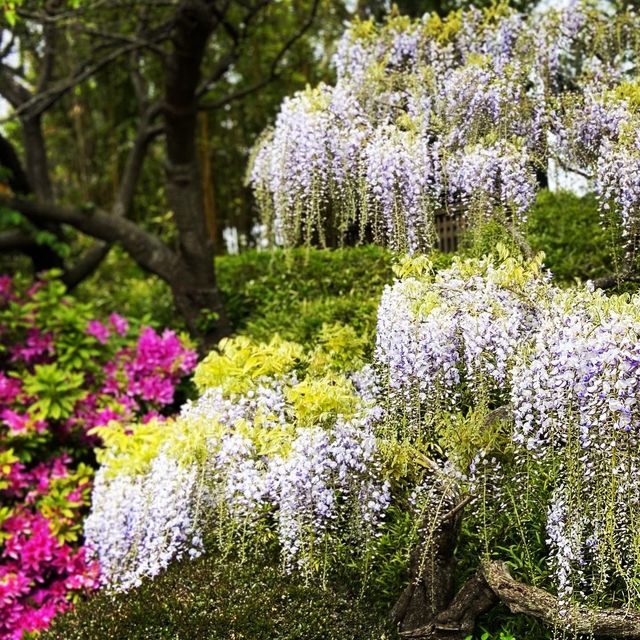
(64,372)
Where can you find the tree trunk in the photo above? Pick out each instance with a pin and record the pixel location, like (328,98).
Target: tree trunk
(432,571)
(194,285)
(38,182)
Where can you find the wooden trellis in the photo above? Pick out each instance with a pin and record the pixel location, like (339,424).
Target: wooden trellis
(449,227)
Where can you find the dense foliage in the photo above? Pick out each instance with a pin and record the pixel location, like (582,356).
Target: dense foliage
(218,599)
(64,372)
(459,115)
(289,292)
(458,346)
(285,450)
(356,433)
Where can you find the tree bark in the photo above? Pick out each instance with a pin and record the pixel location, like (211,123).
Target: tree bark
(622,624)
(194,284)
(427,610)
(432,572)
(458,620)
(42,256)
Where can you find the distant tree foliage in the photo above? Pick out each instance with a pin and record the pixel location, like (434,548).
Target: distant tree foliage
(115,108)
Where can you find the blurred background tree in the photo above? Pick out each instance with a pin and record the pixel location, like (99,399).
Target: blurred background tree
(85,120)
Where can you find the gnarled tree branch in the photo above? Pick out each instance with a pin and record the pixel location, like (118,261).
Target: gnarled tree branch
(532,601)
(148,250)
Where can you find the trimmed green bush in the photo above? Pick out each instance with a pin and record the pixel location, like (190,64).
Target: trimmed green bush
(295,292)
(570,232)
(215,599)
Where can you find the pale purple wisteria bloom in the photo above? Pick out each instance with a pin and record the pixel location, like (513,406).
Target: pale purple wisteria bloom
(325,476)
(311,484)
(462,114)
(563,366)
(138,525)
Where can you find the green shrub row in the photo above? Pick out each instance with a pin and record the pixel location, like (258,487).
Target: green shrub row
(218,599)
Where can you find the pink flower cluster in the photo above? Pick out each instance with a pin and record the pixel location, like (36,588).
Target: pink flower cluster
(40,570)
(62,373)
(139,380)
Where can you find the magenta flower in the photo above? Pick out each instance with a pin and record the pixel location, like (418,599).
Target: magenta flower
(42,566)
(35,349)
(15,422)
(9,389)
(5,288)
(99,331)
(156,388)
(120,324)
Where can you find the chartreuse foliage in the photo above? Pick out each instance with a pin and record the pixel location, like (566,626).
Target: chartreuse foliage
(278,444)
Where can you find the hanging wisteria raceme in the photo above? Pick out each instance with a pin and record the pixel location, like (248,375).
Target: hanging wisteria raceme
(138,524)
(575,402)
(446,338)
(298,456)
(459,115)
(326,473)
(490,336)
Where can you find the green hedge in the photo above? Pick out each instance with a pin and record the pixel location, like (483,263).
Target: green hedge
(569,231)
(294,292)
(213,599)
(291,292)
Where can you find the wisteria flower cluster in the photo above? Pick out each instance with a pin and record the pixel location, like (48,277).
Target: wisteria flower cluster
(457,116)
(495,337)
(283,441)
(451,338)
(63,372)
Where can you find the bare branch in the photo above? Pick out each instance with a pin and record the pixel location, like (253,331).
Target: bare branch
(17,180)
(135,160)
(458,620)
(459,507)
(220,69)
(49,32)
(238,35)
(15,240)
(140,40)
(73,14)
(616,279)
(274,73)
(86,265)
(15,93)
(492,583)
(29,106)
(570,169)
